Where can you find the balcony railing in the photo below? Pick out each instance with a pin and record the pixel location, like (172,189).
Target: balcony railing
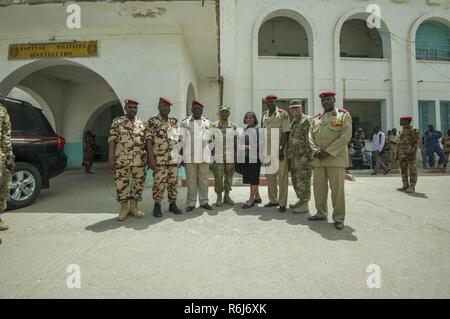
(433,55)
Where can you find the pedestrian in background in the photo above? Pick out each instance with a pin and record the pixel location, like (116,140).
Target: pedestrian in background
(378,142)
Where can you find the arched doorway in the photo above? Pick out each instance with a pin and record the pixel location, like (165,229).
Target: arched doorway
(99,124)
(71,91)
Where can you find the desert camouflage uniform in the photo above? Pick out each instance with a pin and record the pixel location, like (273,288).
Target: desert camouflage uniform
(298,147)
(223,169)
(130,157)
(164,136)
(407,149)
(5,151)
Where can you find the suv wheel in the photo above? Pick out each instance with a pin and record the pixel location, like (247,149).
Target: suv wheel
(25,186)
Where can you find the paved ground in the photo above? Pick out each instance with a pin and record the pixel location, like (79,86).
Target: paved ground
(228,253)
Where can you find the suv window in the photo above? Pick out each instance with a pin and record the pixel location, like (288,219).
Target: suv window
(27,120)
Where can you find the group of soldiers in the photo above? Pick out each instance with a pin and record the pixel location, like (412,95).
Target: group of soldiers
(306,145)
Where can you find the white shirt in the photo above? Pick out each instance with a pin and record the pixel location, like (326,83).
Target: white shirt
(378,141)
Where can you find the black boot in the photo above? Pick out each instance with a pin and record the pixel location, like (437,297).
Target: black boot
(157,210)
(174,209)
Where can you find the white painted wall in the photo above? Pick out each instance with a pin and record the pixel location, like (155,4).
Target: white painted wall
(248,78)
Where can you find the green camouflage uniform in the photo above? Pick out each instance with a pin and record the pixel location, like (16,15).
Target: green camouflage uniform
(407,149)
(130,157)
(224,170)
(164,136)
(5,151)
(298,147)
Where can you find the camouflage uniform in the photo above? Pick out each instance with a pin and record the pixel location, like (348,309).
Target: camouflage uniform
(393,150)
(129,156)
(298,147)
(164,136)
(5,152)
(407,149)
(446,143)
(222,165)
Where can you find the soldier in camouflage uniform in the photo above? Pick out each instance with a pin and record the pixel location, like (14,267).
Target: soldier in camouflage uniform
(6,161)
(127,158)
(299,156)
(162,153)
(223,166)
(406,156)
(446,143)
(393,148)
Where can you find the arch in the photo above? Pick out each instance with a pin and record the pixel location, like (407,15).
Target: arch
(433,40)
(358,15)
(292,12)
(74,92)
(190,96)
(283,36)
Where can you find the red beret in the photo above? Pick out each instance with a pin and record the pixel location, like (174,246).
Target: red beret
(164,100)
(406,117)
(326,94)
(197,102)
(131,102)
(271,97)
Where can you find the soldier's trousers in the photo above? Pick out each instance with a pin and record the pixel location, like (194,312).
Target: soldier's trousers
(430,153)
(197,183)
(408,169)
(165,176)
(446,159)
(130,182)
(5,180)
(280,180)
(392,158)
(223,172)
(335,177)
(301,179)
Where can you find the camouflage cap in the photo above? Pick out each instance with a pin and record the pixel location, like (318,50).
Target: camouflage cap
(295,104)
(224,108)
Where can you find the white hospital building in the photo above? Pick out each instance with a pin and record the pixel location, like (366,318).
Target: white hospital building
(231,52)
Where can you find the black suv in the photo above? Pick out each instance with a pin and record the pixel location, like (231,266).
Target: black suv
(39,152)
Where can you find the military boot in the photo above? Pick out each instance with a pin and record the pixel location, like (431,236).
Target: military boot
(302,209)
(411,189)
(124,210)
(404,188)
(134,209)
(174,209)
(157,210)
(227,199)
(3,225)
(294,206)
(219,201)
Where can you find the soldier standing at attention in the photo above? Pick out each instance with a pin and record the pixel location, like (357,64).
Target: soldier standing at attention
(407,149)
(163,136)
(276,118)
(7,163)
(299,155)
(127,159)
(223,166)
(328,137)
(393,148)
(446,143)
(196,136)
